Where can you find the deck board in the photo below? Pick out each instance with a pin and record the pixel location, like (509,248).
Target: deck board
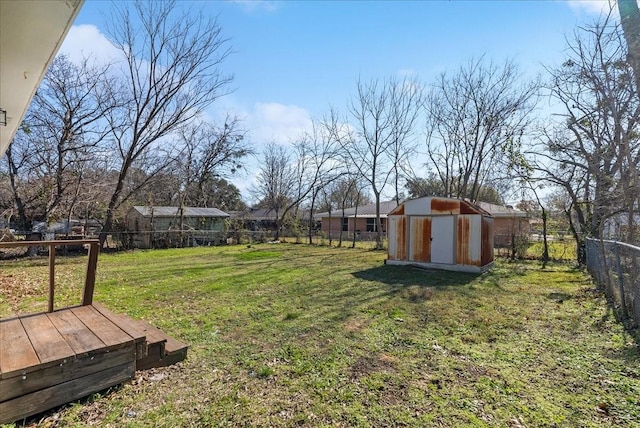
(110,334)
(79,338)
(48,343)
(16,352)
(131,327)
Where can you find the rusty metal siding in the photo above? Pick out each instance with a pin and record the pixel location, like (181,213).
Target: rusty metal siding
(440,232)
(462,240)
(487,240)
(469,240)
(399,210)
(445,206)
(468,208)
(397,238)
(420,239)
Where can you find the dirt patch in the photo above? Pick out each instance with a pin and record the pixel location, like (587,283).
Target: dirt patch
(354,325)
(419,294)
(382,363)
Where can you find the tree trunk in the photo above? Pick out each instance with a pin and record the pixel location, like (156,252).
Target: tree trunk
(630,20)
(580,242)
(313,202)
(378,223)
(545,250)
(355,218)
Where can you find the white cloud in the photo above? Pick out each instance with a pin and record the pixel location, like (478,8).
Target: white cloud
(86,41)
(253,5)
(592,7)
(406,72)
(278,123)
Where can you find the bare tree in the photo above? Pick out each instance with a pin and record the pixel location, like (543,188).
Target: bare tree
(475,119)
(384,114)
(593,152)
(172,64)
(349,192)
(275,183)
(210,153)
(60,137)
(287,179)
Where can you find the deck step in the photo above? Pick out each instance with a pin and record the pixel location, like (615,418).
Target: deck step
(160,350)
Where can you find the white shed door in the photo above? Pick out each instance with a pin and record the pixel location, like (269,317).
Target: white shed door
(442,239)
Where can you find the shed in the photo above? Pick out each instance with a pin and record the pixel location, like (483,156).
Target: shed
(165,226)
(441,233)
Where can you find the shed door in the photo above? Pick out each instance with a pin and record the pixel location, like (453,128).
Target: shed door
(442,239)
(420,247)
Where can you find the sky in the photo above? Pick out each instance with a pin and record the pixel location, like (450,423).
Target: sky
(293,60)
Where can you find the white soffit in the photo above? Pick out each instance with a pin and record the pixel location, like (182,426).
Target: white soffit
(30,34)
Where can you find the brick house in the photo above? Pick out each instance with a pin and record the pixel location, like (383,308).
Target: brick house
(508,223)
(359,220)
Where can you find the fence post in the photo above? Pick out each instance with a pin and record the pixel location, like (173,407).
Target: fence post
(90,278)
(52,272)
(623,302)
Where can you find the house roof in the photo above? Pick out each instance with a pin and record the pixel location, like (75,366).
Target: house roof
(174,212)
(501,211)
(254,214)
(363,211)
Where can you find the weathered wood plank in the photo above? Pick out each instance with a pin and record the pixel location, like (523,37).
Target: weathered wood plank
(171,345)
(154,334)
(129,326)
(49,345)
(47,243)
(75,333)
(16,352)
(59,373)
(168,359)
(169,352)
(90,277)
(44,399)
(110,334)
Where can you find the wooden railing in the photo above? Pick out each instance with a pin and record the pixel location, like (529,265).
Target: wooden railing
(90,275)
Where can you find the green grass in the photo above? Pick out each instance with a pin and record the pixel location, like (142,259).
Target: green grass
(286,335)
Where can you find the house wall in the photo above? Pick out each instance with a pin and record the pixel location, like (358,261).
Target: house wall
(333,225)
(358,225)
(506,227)
(140,226)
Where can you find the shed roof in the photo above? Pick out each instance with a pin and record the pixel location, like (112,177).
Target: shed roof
(175,211)
(432,205)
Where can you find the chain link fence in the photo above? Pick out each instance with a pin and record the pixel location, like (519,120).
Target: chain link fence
(616,268)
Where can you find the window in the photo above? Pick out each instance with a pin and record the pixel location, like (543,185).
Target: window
(345,224)
(371,225)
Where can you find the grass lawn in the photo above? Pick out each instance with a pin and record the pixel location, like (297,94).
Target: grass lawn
(287,335)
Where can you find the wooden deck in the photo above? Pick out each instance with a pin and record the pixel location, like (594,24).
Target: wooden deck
(49,359)
(53,358)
